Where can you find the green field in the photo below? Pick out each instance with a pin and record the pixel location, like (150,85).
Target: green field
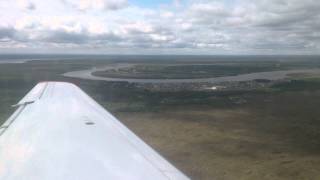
(273,134)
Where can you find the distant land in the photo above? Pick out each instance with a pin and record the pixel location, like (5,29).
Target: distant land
(248,129)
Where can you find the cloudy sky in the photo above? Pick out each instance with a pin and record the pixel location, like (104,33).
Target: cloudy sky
(160,27)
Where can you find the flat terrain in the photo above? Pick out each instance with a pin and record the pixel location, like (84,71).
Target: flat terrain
(206,69)
(269,133)
(179,71)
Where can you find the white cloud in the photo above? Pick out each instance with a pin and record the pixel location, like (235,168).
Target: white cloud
(137,27)
(98,4)
(167,14)
(26,4)
(192,26)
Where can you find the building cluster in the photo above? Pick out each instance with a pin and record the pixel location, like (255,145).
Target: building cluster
(207,86)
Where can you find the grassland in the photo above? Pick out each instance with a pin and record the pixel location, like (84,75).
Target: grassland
(274,134)
(179,71)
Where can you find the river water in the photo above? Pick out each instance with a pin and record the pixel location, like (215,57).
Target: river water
(270,75)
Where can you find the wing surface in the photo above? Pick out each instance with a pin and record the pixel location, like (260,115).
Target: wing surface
(60,133)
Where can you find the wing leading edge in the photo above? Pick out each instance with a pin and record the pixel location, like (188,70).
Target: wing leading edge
(59,132)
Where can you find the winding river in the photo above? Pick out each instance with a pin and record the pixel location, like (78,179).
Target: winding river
(270,75)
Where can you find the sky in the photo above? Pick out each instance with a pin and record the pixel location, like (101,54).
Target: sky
(223,27)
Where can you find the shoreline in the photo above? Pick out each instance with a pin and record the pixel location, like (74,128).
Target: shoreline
(13,61)
(269,75)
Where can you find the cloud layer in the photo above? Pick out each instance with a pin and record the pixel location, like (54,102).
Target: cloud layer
(178,27)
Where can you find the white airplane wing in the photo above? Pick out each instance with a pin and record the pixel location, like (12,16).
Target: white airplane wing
(60,133)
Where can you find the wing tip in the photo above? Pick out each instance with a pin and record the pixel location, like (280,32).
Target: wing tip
(60,82)
(38,91)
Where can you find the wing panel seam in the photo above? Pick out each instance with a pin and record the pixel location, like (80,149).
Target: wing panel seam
(11,119)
